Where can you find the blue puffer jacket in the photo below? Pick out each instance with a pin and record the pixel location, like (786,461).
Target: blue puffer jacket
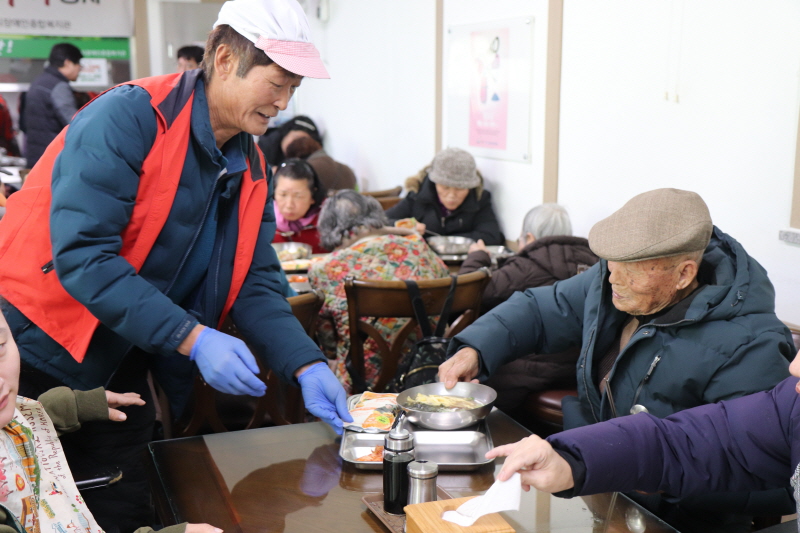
(94,187)
(743,444)
(727,344)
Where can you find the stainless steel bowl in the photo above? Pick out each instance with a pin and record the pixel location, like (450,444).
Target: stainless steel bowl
(299,250)
(450,245)
(454,419)
(499,251)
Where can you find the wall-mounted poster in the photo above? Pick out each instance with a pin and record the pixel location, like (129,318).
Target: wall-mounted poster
(488,96)
(487,88)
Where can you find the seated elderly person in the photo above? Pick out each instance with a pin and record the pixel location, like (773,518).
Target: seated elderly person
(447,198)
(298,198)
(675,315)
(547,253)
(354,227)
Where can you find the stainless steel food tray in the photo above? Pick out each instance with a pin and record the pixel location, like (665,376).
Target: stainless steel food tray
(459,450)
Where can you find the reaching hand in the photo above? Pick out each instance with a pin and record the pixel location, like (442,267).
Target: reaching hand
(324,396)
(420,228)
(226,363)
(115,399)
(463,366)
(479,246)
(538,464)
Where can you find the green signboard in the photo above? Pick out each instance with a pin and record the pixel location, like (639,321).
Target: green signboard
(35,47)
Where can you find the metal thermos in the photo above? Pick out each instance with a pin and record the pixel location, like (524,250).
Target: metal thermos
(422,482)
(398,452)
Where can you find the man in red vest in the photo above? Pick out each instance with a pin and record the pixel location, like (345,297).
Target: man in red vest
(145,223)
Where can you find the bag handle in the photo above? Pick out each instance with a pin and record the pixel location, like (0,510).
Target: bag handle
(419,308)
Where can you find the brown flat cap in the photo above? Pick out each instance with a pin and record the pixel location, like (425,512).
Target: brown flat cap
(653,224)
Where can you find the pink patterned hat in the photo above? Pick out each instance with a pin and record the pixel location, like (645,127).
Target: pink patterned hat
(280,28)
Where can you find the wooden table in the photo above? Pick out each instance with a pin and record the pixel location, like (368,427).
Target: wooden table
(291,478)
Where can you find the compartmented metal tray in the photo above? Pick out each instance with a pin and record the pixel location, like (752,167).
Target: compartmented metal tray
(460,450)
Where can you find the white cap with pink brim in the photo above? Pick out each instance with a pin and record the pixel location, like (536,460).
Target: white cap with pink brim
(280,29)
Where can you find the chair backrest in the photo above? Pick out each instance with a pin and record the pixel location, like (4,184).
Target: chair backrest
(388,201)
(386,192)
(381,299)
(283,402)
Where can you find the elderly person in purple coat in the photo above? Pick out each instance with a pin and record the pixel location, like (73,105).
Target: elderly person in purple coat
(744,444)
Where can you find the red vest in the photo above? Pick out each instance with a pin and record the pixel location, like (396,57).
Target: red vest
(25,247)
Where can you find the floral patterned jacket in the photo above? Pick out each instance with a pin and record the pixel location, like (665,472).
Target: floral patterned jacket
(385,257)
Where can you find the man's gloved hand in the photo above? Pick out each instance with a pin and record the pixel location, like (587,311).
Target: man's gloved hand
(324,396)
(226,363)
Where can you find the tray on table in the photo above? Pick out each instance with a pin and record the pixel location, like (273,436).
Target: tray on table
(459,450)
(395,523)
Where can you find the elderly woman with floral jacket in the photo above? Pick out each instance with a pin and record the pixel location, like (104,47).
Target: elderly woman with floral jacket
(354,226)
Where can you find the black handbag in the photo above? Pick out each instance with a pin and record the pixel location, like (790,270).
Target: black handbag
(421,365)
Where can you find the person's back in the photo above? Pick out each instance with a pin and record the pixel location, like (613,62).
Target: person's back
(50,104)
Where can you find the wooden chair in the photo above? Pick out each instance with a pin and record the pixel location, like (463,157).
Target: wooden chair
(386,192)
(388,201)
(282,404)
(390,299)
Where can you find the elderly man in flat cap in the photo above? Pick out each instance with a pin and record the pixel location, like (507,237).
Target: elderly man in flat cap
(675,315)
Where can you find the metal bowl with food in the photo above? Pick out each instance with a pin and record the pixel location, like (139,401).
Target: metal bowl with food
(291,251)
(436,416)
(450,245)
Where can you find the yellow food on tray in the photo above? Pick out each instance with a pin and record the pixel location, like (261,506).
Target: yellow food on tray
(374,456)
(299,264)
(437,403)
(408,223)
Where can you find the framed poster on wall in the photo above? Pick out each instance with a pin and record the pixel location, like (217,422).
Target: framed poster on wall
(487,88)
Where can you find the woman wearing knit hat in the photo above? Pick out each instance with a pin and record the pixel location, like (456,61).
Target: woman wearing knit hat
(447,198)
(145,223)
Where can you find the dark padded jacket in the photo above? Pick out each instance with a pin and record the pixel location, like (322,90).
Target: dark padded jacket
(746,444)
(729,342)
(49,106)
(726,344)
(474,218)
(541,263)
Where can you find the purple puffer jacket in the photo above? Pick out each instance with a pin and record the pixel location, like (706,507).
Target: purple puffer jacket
(738,445)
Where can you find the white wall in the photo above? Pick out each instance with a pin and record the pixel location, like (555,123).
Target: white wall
(516,187)
(730,136)
(377,110)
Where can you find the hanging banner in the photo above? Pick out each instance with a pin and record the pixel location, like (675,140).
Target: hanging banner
(33,47)
(99,18)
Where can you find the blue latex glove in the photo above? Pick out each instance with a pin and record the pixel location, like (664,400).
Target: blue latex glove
(324,396)
(226,363)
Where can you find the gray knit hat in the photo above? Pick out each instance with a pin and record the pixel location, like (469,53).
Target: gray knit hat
(453,167)
(653,224)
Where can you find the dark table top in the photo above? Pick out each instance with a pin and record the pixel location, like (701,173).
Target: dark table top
(291,478)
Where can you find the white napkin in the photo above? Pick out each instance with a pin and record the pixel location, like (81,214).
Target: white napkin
(502,496)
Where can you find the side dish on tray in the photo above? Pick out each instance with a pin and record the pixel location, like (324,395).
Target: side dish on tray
(374,411)
(375,455)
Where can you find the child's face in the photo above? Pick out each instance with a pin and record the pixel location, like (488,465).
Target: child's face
(9,373)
